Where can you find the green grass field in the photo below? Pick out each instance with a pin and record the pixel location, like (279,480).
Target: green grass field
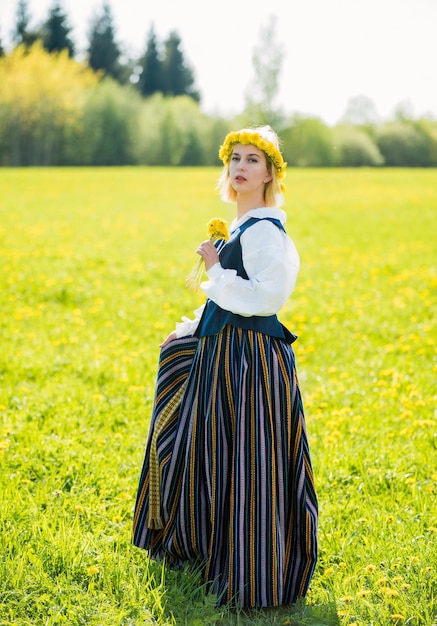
(93,263)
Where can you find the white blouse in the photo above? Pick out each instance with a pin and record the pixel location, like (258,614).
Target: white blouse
(271,262)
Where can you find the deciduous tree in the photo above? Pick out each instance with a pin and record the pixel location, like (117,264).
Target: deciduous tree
(42,93)
(267,63)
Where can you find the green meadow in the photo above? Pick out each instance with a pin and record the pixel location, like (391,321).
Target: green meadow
(93,263)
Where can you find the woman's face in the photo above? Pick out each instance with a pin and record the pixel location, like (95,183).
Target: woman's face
(248,169)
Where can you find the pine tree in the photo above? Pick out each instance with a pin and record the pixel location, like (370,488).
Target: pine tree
(151,77)
(103,50)
(57,32)
(178,76)
(22,34)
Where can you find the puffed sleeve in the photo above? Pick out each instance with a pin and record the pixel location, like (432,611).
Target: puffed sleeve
(188,326)
(271,262)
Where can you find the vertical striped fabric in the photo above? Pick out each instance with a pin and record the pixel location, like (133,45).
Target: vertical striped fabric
(227,479)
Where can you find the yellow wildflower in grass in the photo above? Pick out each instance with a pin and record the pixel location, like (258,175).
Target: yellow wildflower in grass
(370,568)
(217,230)
(362,593)
(397,616)
(389,592)
(92,570)
(329,571)
(346,599)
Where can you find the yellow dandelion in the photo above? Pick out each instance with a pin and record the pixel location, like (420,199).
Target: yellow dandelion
(362,593)
(125,496)
(390,518)
(4,445)
(414,560)
(329,571)
(92,570)
(396,566)
(117,519)
(79,508)
(217,230)
(405,586)
(342,565)
(389,592)
(346,599)
(432,529)
(397,616)
(370,568)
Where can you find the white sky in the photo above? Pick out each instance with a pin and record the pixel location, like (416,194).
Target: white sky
(334,49)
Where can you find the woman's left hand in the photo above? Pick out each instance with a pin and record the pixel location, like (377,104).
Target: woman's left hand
(209,253)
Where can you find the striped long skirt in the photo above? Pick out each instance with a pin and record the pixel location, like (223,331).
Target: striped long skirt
(227,481)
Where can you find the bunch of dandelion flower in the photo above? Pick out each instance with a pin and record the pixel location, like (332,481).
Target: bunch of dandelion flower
(217,231)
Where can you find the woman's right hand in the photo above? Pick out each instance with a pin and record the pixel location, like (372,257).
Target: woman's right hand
(171,337)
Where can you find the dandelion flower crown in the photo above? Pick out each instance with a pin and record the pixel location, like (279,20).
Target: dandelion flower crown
(253,138)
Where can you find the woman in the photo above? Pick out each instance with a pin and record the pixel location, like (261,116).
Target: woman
(227,480)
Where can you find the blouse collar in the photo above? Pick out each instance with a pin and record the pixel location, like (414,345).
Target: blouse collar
(260,213)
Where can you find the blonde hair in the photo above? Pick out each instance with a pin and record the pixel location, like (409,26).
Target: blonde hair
(266,140)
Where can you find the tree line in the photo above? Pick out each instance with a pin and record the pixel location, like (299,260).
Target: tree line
(106,110)
(161,68)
